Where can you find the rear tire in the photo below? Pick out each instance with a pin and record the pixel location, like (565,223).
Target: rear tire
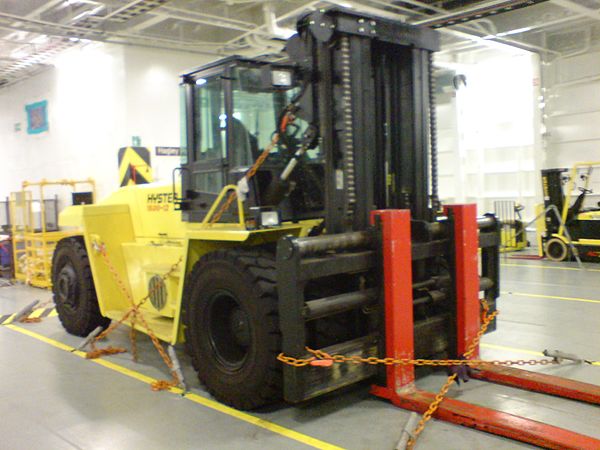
(556,250)
(73,289)
(232,326)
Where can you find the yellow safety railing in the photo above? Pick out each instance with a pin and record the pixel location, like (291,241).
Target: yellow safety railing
(33,246)
(208,220)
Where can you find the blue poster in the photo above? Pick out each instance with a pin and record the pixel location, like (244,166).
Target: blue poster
(37,117)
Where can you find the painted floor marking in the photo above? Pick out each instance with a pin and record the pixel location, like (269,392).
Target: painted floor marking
(511,349)
(212,404)
(536,266)
(553,297)
(37,313)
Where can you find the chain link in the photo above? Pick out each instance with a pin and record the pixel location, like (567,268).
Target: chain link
(323,359)
(136,314)
(288,118)
(471,348)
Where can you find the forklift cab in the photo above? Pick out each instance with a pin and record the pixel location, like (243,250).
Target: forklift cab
(232,109)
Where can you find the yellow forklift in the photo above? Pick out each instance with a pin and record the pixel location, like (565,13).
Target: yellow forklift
(269,240)
(582,222)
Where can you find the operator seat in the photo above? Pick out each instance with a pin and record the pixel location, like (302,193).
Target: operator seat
(245,143)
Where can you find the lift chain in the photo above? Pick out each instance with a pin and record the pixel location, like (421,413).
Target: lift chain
(136,314)
(288,118)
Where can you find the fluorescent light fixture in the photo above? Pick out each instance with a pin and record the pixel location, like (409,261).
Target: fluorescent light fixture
(200,81)
(516,31)
(507,33)
(286,33)
(18,54)
(41,39)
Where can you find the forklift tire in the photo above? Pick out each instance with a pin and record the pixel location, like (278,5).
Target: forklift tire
(231,324)
(73,288)
(556,250)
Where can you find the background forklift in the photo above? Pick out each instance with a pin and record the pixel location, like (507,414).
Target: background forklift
(583,223)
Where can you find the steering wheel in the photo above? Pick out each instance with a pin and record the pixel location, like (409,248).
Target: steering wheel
(585,191)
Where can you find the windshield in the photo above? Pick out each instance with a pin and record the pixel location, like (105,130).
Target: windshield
(255,116)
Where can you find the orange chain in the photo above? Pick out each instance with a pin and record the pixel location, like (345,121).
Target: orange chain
(439,398)
(137,315)
(321,358)
(251,172)
(287,119)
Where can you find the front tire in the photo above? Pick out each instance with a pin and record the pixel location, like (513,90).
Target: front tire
(73,289)
(556,250)
(232,327)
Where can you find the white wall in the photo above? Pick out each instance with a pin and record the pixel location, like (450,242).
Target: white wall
(84,111)
(490,131)
(572,113)
(152,96)
(572,97)
(98,97)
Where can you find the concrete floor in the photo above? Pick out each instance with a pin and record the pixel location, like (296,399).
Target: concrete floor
(53,399)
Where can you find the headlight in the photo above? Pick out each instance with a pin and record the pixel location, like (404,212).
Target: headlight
(269,219)
(281,78)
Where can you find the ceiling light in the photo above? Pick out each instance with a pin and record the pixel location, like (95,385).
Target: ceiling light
(517,31)
(18,54)
(41,39)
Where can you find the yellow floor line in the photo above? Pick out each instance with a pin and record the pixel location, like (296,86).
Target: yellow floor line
(36,313)
(511,349)
(554,297)
(274,428)
(535,266)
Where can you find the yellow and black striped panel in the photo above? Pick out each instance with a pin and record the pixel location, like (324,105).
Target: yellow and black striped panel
(37,313)
(135,166)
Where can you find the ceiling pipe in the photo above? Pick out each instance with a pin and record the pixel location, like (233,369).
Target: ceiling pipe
(271,22)
(225,47)
(479,8)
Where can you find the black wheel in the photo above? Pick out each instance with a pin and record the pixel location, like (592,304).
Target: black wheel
(73,289)
(232,326)
(556,250)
